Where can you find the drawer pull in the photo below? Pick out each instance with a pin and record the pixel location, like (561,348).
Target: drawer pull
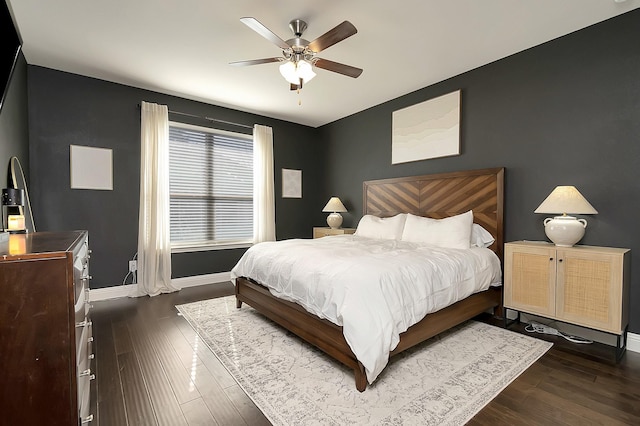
(87,373)
(83,324)
(87,419)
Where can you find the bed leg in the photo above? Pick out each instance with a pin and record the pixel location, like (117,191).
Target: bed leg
(498,311)
(361,377)
(237,292)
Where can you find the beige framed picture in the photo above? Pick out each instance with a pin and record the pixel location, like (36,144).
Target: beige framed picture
(430,129)
(291,183)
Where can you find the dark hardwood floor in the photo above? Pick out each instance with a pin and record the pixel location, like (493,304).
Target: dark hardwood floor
(151,369)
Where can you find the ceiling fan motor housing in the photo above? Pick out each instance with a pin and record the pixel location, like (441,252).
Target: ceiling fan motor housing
(298,27)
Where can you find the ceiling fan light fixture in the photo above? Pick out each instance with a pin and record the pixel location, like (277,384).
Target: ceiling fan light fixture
(294,71)
(288,71)
(305,71)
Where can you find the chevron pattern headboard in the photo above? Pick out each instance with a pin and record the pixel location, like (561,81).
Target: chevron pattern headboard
(442,195)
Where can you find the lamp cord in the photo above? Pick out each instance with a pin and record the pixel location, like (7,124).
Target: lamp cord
(545,329)
(26,190)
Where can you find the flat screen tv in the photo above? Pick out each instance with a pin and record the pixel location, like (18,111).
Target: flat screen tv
(9,49)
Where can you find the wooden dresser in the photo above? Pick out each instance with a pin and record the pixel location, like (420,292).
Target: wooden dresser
(45,331)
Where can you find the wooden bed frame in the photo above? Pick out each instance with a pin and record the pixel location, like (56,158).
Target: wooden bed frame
(437,196)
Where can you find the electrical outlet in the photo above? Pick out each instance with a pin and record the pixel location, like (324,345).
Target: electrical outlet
(133,265)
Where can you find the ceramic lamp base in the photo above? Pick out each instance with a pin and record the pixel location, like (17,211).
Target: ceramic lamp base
(564,231)
(334,220)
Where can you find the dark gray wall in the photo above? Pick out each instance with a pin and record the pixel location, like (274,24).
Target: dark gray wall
(563,113)
(67,109)
(14,130)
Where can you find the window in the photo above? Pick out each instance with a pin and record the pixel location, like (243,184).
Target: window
(211,187)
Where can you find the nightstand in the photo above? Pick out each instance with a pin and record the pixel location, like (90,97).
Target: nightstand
(325,232)
(582,285)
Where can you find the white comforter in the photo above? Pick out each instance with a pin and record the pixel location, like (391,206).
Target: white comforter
(374,289)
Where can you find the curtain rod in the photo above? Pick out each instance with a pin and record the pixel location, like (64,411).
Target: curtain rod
(215,120)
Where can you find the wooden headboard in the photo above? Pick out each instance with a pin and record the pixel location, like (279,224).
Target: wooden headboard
(442,195)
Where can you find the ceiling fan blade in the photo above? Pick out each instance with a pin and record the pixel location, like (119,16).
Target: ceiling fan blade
(333,36)
(255,62)
(338,67)
(265,32)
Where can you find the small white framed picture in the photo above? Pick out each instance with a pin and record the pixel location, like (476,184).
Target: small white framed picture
(91,168)
(291,183)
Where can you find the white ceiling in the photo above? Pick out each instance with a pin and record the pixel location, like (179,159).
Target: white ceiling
(183,47)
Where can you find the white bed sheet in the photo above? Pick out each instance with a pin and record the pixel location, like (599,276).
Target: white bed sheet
(375,289)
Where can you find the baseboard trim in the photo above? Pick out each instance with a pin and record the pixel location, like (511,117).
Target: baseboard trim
(119,291)
(633,342)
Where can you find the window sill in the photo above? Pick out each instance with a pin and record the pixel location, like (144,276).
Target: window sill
(210,247)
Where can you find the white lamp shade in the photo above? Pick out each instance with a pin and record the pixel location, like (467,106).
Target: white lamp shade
(334,205)
(305,71)
(566,200)
(288,71)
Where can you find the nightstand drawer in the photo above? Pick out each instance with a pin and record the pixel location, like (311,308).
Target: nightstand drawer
(326,232)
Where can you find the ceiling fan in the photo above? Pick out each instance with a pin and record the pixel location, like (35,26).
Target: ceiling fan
(299,55)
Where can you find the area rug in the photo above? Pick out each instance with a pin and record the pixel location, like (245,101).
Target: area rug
(443,381)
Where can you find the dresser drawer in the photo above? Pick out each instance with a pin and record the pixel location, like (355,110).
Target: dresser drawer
(85,371)
(80,306)
(83,348)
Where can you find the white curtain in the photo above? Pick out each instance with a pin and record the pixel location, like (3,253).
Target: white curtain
(264,210)
(154,245)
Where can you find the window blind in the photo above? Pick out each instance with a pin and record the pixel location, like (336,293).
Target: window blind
(211,186)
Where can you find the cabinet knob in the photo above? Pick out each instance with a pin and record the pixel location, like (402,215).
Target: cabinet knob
(559,260)
(87,419)
(92,356)
(551,259)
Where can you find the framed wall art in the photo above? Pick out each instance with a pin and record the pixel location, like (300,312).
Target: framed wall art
(291,183)
(430,129)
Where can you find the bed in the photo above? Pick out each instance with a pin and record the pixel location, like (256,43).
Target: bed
(435,196)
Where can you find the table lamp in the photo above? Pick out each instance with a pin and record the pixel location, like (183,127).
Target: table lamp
(565,231)
(12,217)
(335,206)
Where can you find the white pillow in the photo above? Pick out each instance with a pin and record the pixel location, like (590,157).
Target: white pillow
(450,232)
(386,228)
(480,237)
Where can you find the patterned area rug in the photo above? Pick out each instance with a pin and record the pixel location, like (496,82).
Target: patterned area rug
(444,381)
